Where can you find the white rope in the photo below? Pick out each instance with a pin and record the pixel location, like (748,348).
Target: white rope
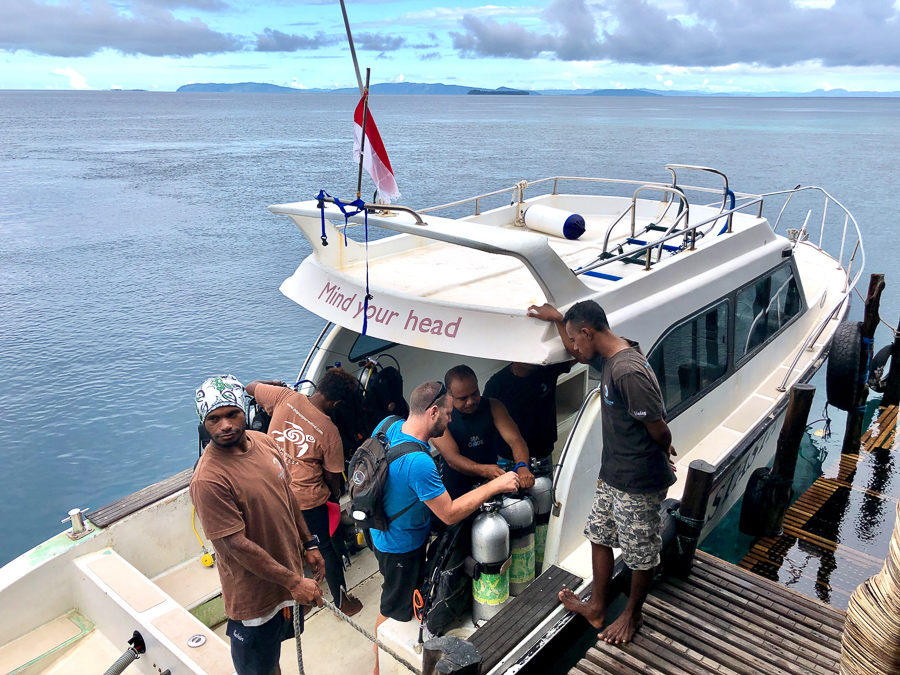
(356,626)
(298,612)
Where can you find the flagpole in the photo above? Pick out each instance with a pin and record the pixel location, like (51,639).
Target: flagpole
(353,50)
(362,140)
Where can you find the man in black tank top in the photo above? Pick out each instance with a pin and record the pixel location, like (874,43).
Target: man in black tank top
(480,433)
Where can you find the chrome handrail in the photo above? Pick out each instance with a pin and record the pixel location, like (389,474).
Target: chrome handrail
(850,285)
(316,346)
(368,206)
(562,455)
(600,262)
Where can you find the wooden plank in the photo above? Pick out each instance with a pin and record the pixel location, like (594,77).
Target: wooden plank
(109,514)
(791,646)
(521,615)
(753,582)
(604,652)
(706,643)
(683,657)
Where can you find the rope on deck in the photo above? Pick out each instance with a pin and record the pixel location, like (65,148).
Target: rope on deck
(871,641)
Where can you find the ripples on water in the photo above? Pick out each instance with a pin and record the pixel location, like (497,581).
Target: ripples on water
(137,256)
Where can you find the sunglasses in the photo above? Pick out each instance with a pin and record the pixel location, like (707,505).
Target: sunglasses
(441,392)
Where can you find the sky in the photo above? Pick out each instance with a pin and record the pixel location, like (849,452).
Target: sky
(706,45)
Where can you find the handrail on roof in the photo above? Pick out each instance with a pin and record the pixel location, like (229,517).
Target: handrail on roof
(600,261)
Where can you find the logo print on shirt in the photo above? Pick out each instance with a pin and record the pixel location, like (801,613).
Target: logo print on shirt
(606,398)
(475,441)
(278,465)
(297,437)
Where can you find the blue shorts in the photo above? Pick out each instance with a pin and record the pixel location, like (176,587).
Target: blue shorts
(256,650)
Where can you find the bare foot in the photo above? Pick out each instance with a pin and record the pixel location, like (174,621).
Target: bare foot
(622,629)
(594,613)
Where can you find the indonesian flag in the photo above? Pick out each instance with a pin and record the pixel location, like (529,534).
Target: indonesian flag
(375,158)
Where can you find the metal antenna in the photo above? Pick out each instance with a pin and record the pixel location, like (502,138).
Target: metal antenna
(353,54)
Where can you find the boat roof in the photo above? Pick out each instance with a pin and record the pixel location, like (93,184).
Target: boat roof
(464,285)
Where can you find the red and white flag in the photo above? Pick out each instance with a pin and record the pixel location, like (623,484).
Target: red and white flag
(375,158)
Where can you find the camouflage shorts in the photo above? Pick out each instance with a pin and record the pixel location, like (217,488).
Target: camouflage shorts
(627,521)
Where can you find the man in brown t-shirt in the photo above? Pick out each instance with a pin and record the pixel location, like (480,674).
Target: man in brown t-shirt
(310,445)
(635,470)
(241,491)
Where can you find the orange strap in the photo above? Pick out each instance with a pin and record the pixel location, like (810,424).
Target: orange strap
(418,604)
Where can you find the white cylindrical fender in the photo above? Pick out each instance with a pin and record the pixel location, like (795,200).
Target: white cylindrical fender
(553,221)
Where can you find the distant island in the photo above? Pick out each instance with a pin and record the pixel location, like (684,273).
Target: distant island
(416,88)
(502,91)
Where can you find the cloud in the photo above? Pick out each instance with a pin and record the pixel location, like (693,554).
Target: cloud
(272,40)
(699,33)
(378,42)
(76,28)
(205,5)
(76,79)
(575,37)
(429,56)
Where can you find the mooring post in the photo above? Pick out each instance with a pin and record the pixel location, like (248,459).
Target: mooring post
(769,491)
(449,654)
(892,388)
(854,429)
(691,516)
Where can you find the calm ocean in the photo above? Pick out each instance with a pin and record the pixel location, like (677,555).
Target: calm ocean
(137,256)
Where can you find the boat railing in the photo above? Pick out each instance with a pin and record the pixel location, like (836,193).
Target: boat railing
(517,191)
(798,236)
(689,232)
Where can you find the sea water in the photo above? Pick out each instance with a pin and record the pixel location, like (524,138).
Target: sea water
(137,256)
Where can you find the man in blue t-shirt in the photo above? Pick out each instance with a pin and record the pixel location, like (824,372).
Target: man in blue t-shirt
(413,480)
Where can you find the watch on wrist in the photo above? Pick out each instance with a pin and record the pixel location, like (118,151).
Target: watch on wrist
(520,465)
(312,544)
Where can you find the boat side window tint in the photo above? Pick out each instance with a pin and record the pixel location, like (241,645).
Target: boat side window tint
(366,345)
(692,356)
(763,308)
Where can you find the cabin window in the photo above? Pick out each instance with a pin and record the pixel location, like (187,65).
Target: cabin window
(692,356)
(366,345)
(763,309)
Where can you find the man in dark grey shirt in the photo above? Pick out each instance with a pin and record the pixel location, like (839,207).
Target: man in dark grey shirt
(636,468)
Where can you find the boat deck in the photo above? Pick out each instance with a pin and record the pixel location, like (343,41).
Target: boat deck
(837,534)
(728,621)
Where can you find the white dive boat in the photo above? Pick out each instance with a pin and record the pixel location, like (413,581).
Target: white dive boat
(729,311)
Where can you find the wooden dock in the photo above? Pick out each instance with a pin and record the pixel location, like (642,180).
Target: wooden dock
(724,620)
(837,534)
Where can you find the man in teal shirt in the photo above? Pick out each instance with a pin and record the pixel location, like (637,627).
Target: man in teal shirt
(413,484)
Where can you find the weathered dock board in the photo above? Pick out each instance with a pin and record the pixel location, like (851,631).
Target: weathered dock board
(837,534)
(724,620)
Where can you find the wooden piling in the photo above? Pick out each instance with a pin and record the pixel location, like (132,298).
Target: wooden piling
(448,654)
(691,517)
(892,389)
(769,491)
(854,428)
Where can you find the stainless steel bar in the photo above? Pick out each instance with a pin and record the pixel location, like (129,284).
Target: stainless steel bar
(316,346)
(843,239)
(822,231)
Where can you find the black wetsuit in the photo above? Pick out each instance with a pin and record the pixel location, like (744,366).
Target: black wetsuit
(477,439)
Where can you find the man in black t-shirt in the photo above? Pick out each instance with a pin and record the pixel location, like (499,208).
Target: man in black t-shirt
(480,432)
(636,469)
(529,394)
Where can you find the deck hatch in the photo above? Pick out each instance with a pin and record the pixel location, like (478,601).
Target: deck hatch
(521,615)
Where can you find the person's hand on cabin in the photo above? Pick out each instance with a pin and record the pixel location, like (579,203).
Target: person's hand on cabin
(307,592)
(545,312)
(670,453)
(526,478)
(491,471)
(316,563)
(507,482)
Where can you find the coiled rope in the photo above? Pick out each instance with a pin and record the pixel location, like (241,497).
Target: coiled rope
(346,619)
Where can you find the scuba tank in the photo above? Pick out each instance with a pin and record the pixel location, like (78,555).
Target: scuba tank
(542,497)
(490,549)
(518,512)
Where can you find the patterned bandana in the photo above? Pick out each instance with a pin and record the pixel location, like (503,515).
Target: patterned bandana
(218,392)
